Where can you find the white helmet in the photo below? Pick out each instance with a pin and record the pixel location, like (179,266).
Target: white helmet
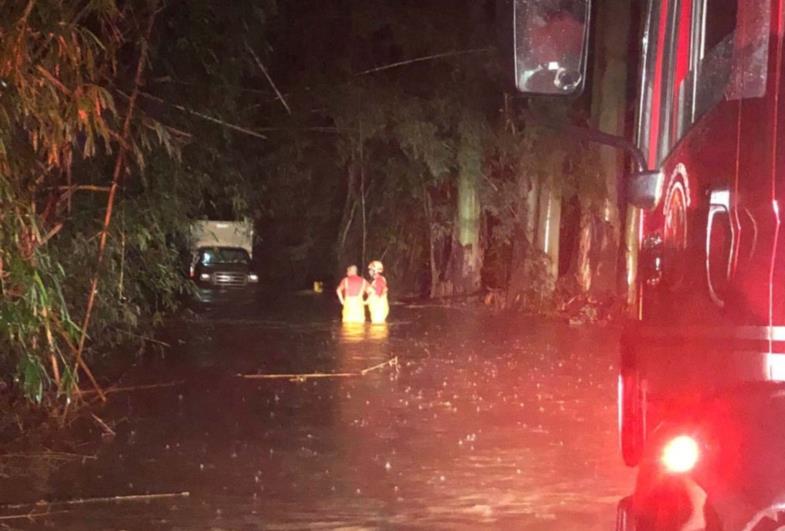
(376,267)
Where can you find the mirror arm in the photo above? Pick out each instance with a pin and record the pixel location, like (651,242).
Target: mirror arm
(595,135)
(616,141)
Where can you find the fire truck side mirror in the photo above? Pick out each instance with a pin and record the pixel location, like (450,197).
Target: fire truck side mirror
(551,45)
(644,189)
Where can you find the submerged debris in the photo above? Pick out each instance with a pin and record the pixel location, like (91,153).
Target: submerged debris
(301,377)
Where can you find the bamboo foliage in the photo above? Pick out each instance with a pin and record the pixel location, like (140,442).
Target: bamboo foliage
(58,62)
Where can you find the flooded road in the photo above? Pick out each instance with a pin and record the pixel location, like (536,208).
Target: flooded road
(482,423)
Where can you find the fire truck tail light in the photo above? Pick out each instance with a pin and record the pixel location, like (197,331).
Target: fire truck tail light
(680,454)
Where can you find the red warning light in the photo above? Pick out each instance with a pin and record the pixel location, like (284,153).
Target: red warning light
(680,454)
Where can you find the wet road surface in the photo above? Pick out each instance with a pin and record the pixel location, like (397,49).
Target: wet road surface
(483,423)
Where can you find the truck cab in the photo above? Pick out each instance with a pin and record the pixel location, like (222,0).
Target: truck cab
(221,255)
(223,267)
(709,119)
(708,325)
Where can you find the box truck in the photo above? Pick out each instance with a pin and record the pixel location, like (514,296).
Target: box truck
(222,253)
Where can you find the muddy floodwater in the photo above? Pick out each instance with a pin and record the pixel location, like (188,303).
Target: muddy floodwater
(483,422)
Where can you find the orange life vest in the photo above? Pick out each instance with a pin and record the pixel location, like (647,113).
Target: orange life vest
(379,285)
(353,286)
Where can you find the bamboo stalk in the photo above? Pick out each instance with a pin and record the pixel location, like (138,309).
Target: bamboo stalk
(391,363)
(118,168)
(312,375)
(269,79)
(83,365)
(204,116)
(407,62)
(31,515)
(126,389)
(303,376)
(55,369)
(362,202)
(48,455)
(85,187)
(52,349)
(103,499)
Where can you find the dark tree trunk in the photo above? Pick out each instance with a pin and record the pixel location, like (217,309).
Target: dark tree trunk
(608,114)
(466,253)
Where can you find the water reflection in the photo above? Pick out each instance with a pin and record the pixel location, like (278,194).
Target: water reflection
(361,345)
(359,332)
(378,332)
(352,332)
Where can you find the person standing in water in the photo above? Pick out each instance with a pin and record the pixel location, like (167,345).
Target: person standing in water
(378,305)
(351,292)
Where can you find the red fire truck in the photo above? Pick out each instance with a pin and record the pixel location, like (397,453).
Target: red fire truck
(701,406)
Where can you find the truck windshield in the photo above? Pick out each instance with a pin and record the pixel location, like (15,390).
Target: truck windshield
(224,255)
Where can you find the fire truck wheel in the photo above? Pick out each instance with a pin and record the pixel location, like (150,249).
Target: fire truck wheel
(631,417)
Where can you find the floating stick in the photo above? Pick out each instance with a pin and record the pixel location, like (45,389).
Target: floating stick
(63,456)
(111,390)
(87,501)
(393,362)
(104,426)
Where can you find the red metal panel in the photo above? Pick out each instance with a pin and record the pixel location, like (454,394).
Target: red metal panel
(656,104)
(777,67)
(683,42)
(757,216)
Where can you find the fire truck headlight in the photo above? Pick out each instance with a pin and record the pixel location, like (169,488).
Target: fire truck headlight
(680,454)
(204,276)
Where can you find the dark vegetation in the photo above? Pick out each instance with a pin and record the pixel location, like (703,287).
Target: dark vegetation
(347,130)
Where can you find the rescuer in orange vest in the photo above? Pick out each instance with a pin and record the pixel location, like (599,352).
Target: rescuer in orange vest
(351,292)
(378,305)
